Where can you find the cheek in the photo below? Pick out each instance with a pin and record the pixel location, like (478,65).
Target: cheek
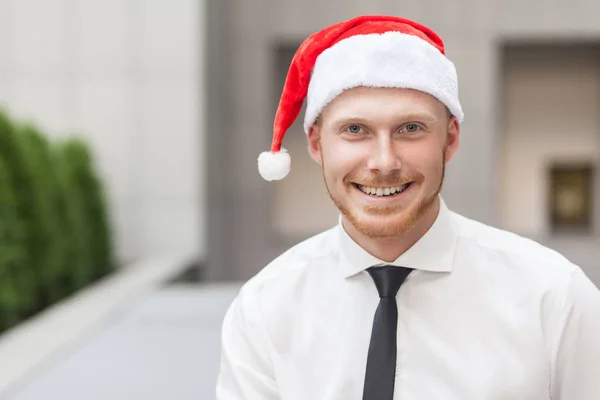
(425,159)
(435,165)
(342,159)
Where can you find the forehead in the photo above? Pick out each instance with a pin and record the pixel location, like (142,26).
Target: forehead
(381,103)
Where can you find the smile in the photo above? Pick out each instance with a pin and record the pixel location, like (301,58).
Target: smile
(383,192)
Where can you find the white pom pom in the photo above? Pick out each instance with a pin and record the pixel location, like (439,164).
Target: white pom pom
(274,166)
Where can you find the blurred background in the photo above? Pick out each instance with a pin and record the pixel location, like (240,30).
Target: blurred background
(131,208)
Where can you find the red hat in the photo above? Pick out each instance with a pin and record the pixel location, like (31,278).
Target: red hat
(373,51)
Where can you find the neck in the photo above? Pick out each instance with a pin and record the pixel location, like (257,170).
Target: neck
(389,249)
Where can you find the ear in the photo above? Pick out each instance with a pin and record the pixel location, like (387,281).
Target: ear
(452,138)
(314,144)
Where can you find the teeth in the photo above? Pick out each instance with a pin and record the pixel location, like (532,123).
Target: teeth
(382,191)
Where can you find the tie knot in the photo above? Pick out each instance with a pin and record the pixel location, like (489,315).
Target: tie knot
(388,279)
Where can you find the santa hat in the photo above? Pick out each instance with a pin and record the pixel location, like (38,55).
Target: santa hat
(372,51)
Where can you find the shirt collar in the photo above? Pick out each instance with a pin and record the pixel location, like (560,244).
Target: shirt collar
(433,252)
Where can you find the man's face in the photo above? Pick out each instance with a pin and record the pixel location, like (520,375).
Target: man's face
(383,154)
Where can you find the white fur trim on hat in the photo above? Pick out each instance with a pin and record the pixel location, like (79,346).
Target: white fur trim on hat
(391,59)
(274,166)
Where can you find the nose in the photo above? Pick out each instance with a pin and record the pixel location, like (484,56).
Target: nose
(384,157)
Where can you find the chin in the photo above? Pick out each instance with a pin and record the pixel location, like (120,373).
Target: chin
(392,225)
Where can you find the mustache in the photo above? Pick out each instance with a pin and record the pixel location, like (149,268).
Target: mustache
(394,179)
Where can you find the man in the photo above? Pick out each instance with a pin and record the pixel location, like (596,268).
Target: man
(403,299)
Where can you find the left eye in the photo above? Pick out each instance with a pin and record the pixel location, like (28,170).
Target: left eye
(412,127)
(354,129)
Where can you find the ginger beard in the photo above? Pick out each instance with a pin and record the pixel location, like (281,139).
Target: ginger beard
(400,218)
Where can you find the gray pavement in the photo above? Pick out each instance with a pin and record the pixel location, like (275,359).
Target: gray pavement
(163,348)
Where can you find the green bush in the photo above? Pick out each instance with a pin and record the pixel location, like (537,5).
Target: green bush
(19,174)
(72,211)
(12,252)
(55,235)
(87,188)
(49,254)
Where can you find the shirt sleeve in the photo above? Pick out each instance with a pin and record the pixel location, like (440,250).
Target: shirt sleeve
(246,371)
(577,357)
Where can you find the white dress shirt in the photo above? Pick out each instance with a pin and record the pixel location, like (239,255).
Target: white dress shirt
(485,315)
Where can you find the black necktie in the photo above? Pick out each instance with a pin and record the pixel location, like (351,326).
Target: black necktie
(381,359)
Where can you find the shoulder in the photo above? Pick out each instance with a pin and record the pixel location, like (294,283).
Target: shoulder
(513,251)
(268,292)
(528,268)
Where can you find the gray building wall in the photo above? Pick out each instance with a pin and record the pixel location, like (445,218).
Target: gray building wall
(242,76)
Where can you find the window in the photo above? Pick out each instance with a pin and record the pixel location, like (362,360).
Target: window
(571,197)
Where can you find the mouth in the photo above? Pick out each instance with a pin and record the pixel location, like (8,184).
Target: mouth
(383,191)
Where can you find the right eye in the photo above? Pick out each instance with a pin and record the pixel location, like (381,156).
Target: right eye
(354,129)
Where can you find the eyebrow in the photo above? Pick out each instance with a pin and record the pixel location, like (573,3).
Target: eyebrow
(425,116)
(421,115)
